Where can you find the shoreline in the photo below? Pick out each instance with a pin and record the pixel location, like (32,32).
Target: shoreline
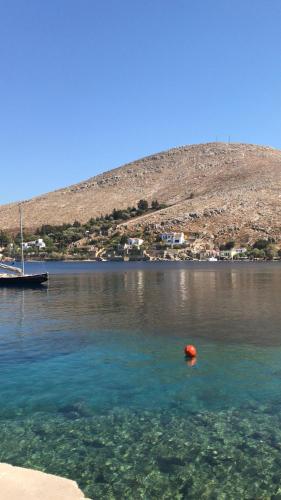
(113,261)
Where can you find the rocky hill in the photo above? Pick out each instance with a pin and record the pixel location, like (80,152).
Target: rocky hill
(221,190)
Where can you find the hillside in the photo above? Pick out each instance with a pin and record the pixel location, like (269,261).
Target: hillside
(219,189)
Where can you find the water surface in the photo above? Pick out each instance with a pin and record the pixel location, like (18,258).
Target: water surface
(94,385)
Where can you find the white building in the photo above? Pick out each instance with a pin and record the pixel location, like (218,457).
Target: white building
(240,251)
(134,242)
(34,244)
(173,238)
(229,254)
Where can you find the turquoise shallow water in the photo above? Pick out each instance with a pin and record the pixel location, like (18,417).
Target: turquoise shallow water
(94,384)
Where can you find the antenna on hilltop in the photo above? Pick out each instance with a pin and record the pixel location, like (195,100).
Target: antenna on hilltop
(229,139)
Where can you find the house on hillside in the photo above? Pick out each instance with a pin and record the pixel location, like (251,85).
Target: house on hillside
(133,250)
(134,242)
(34,244)
(173,238)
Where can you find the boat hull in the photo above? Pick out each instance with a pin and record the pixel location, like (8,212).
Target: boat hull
(26,280)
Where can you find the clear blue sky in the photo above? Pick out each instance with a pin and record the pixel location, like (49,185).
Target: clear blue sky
(88,85)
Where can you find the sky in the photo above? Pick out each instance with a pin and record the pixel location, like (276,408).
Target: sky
(88,85)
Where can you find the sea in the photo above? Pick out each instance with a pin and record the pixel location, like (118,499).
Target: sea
(95,386)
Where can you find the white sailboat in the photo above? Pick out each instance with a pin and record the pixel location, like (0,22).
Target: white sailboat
(16,275)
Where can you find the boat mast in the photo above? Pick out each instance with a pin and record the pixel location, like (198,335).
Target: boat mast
(21,237)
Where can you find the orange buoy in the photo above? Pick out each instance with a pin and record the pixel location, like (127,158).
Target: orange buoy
(190,351)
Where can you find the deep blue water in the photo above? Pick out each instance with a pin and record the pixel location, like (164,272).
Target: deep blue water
(94,384)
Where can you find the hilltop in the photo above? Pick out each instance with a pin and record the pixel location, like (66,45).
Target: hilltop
(221,190)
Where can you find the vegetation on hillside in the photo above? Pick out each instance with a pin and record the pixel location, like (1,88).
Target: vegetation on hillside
(107,235)
(61,239)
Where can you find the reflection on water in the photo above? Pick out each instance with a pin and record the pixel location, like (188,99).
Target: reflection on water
(94,384)
(223,303)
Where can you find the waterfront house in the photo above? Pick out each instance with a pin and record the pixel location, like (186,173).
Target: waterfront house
(233,252)
(227,254)
(132,247)
(134,242)
(34,244)
(208,254)
(240,251)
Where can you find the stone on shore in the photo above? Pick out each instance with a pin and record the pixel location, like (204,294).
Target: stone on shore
(26,484)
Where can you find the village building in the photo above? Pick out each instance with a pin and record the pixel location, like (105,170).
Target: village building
(134,242)
(227,254)
(34,244)
(230,254)
(240,251)
(173,238)
(132,250)
(208,253)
